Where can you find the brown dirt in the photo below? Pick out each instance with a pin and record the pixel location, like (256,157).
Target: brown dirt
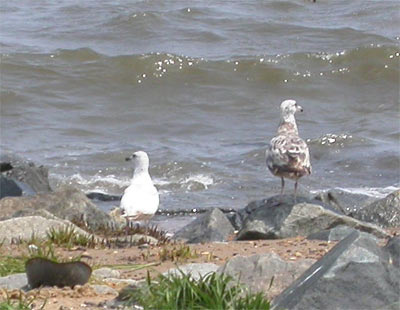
(291,249)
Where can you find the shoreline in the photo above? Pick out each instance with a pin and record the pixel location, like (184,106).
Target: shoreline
(293,235)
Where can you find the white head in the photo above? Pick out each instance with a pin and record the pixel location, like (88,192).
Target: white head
(289,108)
(140,161)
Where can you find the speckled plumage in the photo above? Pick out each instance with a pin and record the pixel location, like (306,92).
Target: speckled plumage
(288,155)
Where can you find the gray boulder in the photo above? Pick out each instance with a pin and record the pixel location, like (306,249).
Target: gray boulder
(237,218)
(104,290)
(384,212)
(335,234)
(9,187)
(209,227)
(66,203)
(196,270)
(266,273)
(23,228)
(16,281)
(272,220)
(105,273)
(344,201)
(355,274)
(392,248)
(26,172)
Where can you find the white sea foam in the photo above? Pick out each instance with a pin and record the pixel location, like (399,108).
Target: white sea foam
(202,179)
(376,192)
(112,184)
(371,191)
(108,179)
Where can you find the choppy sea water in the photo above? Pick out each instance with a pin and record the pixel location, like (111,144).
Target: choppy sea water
(197,85)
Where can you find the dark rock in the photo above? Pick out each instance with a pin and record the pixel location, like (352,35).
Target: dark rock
(66,203)
(236,219)
(103,197)
(266,273)
(5,167)
(344,201)
(26,172)
(243,213)
(384,212)
(270,219)
(43,272)
(209,227)
(393,250)
(9,187)
(355,274)
(335,234)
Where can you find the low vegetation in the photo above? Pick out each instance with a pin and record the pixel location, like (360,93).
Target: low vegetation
(10,265)
(68,237)
(19,301)
(213,291)
(177,252)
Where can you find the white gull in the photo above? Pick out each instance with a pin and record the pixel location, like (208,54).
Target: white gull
(288,155)
(140,200)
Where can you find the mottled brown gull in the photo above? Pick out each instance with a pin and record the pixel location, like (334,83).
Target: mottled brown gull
(288,155)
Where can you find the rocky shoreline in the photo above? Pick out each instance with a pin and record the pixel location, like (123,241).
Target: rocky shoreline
(359,234)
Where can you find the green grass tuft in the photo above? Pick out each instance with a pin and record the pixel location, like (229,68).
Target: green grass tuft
(67,237)
(213,291)
(10,265)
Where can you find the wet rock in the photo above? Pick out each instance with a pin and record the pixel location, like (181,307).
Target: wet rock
(195,270)
(23,228)
(9,187)
(26,172)
(44,272)
(393,250)
(384,212)
(5,166)
(67,203)
(209,227)
(103,197)
(355,274)
(270,219)
(344,201)
(335,234)
(237,219)
(15,281)
(266,273)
